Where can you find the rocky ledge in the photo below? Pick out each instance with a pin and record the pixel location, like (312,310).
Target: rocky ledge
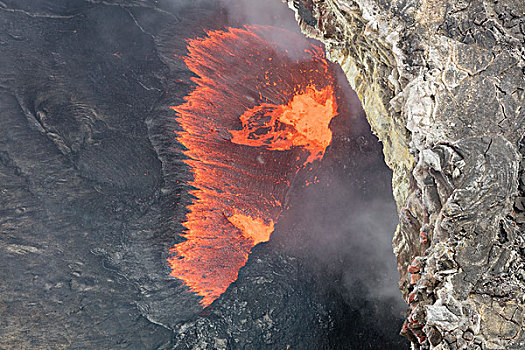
(443,86)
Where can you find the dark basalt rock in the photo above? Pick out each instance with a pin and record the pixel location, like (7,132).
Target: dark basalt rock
(93,192)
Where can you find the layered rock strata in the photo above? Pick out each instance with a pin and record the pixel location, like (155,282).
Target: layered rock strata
(442,83)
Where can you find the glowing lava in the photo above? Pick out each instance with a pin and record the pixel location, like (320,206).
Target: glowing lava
(258,114)
(254,229)
(303,122)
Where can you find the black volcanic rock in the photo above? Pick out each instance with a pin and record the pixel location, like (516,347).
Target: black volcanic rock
(93,191)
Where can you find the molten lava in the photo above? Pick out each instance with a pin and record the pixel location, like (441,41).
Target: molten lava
(258,114)
(303,122)
(254,229)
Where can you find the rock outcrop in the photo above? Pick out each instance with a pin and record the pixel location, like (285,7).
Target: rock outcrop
(443,86)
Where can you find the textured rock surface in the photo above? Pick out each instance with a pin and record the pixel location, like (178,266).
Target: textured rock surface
(443,86)
(93,193)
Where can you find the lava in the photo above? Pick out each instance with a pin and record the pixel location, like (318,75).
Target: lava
(255,229)
(303,122)
(259,113)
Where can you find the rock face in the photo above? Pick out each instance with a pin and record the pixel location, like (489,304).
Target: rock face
(443,85)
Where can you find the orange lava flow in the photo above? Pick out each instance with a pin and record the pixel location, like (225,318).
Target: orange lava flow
(255,229)
(260,111)
(303,122)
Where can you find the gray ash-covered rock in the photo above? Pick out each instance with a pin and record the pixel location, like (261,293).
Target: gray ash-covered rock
(266,308)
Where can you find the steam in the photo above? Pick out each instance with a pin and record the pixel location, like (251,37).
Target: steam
(271,13)
(346,218)
(349,233)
